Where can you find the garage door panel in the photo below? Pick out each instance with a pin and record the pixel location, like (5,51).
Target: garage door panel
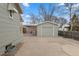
(45,31)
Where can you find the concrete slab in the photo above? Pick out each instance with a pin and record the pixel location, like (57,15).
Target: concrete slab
(37,46)
(47,46)
(71,50)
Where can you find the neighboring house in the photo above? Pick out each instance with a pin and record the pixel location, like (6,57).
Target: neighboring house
(31,29)
(47,29)
(64,27)
(10,26)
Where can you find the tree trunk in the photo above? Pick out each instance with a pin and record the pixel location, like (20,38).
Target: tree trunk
(70,17)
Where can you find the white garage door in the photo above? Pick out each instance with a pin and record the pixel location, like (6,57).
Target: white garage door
(46,30)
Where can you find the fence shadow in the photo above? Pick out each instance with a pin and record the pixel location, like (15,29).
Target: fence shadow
(69,34)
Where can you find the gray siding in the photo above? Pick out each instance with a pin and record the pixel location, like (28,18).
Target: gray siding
(9,28)
(47,30)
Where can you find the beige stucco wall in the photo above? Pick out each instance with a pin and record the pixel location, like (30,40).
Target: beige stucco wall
(47,30)
(9,28)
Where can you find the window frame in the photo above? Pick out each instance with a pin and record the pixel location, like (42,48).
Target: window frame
(11,14)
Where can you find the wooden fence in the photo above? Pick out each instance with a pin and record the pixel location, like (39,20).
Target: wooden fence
(69,34)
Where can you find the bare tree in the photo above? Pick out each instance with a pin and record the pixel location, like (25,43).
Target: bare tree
(46,13)
(69,7)
(42,11)
(33,18)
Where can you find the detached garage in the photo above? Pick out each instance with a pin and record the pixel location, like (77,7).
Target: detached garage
(47,29)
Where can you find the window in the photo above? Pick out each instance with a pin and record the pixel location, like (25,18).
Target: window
(11,14)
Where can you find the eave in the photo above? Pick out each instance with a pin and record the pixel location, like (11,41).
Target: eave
(18,8)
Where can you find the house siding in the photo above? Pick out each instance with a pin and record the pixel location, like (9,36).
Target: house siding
(9,28)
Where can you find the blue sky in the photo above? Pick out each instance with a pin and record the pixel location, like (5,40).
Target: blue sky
(33,7)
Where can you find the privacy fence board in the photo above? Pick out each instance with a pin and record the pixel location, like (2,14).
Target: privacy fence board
(69,34)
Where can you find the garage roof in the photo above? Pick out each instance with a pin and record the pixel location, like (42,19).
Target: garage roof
(48,22)
(31,25)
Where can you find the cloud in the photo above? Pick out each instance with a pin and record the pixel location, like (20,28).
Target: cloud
(76,5)
(27,16)
(23,23)
(26,4)
(26,19)
(61,3)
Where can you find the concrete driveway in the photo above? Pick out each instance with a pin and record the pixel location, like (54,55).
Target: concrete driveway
(44,46)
